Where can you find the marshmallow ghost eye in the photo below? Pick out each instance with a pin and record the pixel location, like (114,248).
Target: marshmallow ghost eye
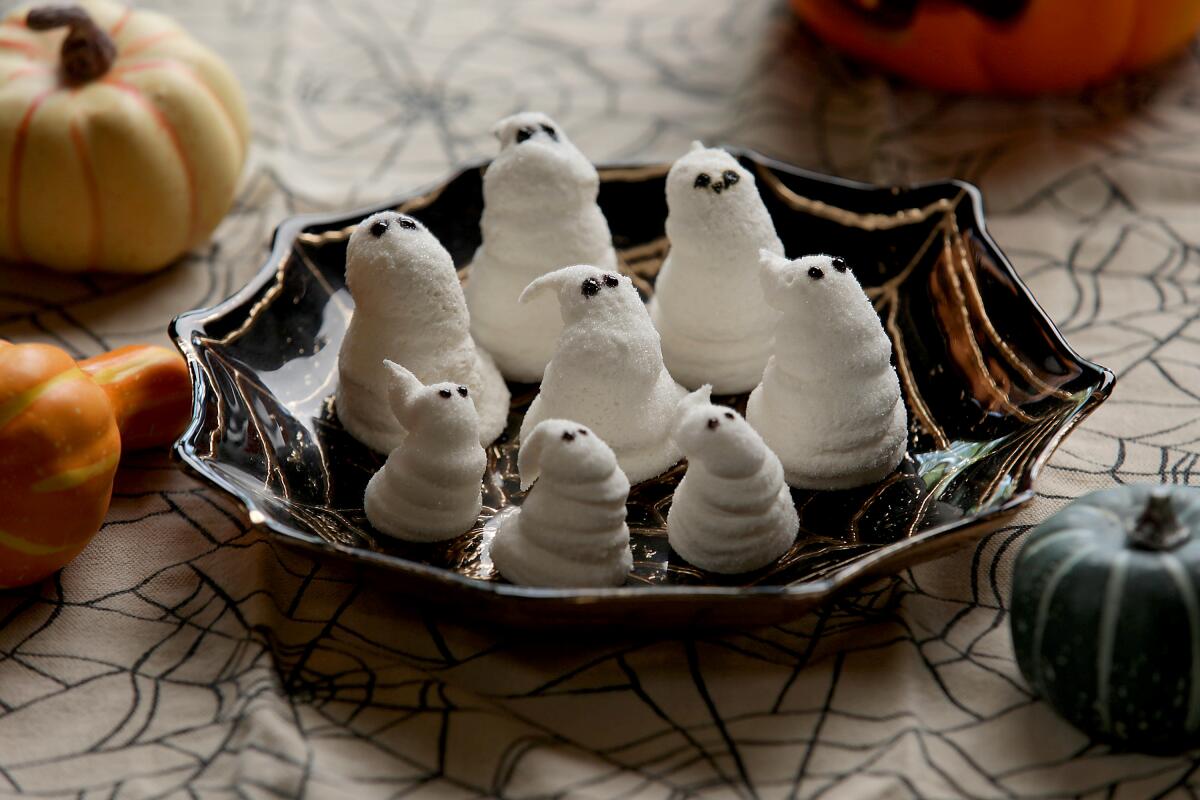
(408,223)
(611,281)
(816,273)
(568,436)
(730,177)
(728,415)
(525,133)
(379,228)
(582,432)
(549,131)
(839,264)
(445,393)
(463,391)
(590,287)
(713,423)
(702,180)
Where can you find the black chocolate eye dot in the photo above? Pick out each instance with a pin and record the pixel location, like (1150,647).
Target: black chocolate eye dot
(611,281)
(702,180)
(445,392)
(816,273)
(583,432)
(553,134)
(568,436)
(590,287)
(379,228)
(462,391)
(713,423)
(408,223)
(524,133)
(730,177)
(839,264)
(728,415)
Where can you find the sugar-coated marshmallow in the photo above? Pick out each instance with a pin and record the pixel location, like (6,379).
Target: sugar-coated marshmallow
(732,512)
(570,530)
(539,214)
(409,308)
(829,404)
(430,488)
(607,370)
(715,323)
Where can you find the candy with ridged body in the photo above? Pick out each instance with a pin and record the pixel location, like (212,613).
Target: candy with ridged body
(732,512)
(431,486)
(570,530)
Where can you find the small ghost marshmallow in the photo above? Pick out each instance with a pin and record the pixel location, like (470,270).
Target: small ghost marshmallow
(607,370)
(570,530)
(715,323)
(409,308)
(431,486)
(539,214)
(829,404)
(732,512)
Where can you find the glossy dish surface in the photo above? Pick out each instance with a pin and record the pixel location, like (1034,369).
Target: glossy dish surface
(991,388)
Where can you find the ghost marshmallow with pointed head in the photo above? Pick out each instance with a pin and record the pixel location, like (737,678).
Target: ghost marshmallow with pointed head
(539,214)
(409,308)
(715,323)
(829,404)
(570,530)
(607,370)
(732,512)
(431,486)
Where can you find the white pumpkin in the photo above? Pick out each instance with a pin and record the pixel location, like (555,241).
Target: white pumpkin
(117,157)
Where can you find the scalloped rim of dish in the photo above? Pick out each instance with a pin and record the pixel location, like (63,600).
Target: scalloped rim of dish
(182,327)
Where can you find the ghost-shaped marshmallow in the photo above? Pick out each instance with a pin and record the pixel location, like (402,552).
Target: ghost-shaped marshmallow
(539,214)
(732,512)
(829,404)
(570,530)
(431,486)
(607,371)
(409,308)
(715,323)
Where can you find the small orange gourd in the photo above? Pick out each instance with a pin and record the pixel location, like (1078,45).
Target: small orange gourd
(1006,46)
(63,426)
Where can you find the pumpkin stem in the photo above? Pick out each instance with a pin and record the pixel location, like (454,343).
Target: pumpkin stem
(1158,528)
(87,52)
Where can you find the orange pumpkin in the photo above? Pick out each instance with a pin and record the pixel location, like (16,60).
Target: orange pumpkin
(1006,46)
(62,428)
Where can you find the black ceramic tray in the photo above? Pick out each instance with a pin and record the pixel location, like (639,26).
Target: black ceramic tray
(991,388)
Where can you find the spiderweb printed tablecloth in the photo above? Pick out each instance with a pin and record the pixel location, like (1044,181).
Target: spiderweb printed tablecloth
(186,655)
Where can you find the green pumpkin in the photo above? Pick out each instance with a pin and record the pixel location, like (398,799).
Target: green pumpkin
(1106,615)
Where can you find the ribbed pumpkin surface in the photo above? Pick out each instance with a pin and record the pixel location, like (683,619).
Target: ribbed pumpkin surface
(1107,632)
(125,172)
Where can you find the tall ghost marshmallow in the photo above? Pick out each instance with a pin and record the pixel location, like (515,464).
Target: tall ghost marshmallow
(715,324)
(539,214)
(607,371)
(829,404)
(431,486)
(409,308)
(732,512)
(571,530)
